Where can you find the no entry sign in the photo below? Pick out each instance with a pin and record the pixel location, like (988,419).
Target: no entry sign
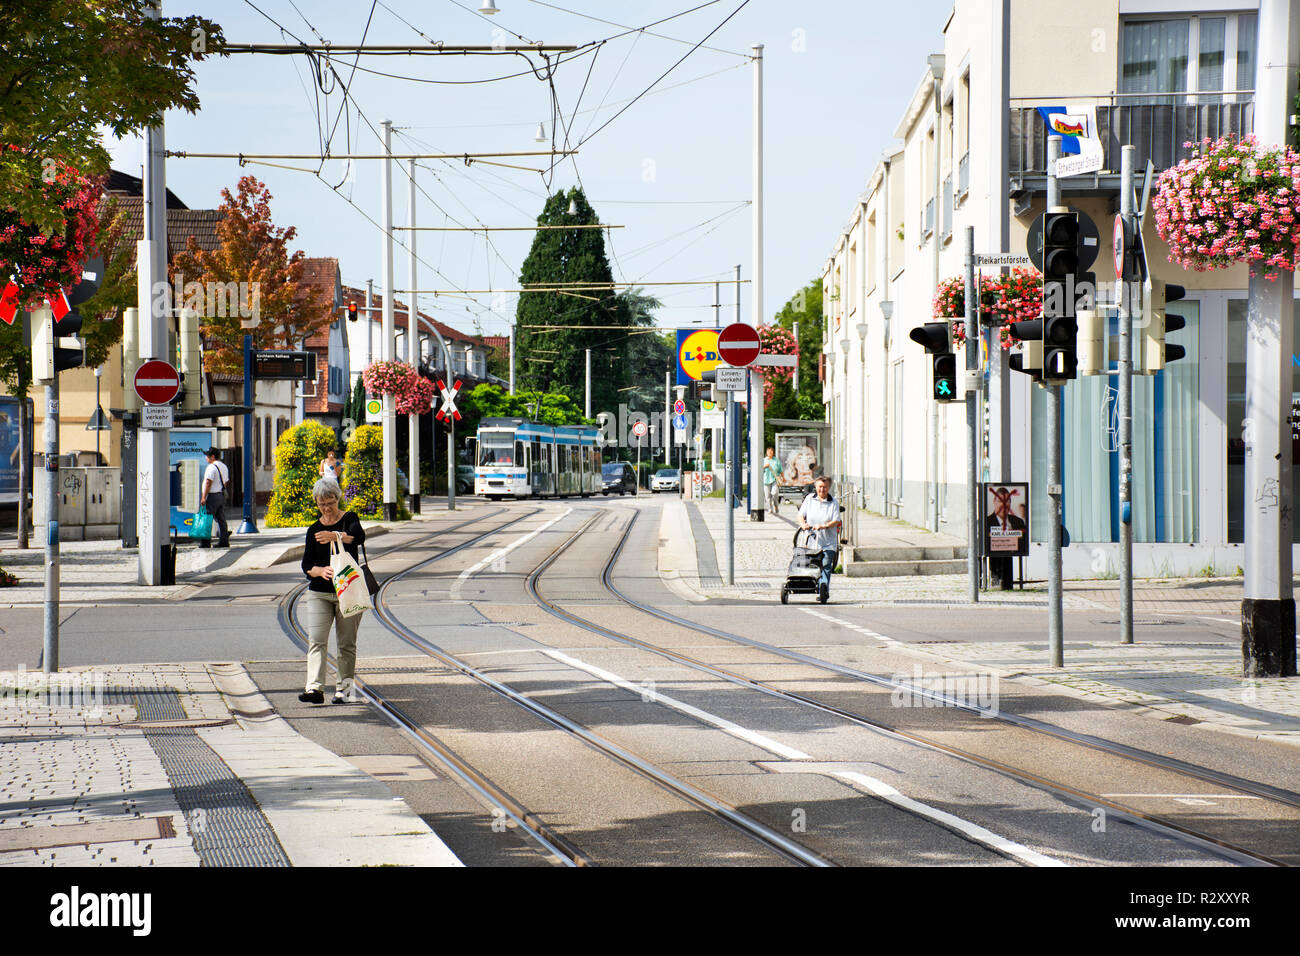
(738,344)
(156,382)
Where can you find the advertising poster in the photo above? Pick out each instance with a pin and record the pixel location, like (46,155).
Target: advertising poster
(9,447)
(798,454)
(1006,519)
(188,455)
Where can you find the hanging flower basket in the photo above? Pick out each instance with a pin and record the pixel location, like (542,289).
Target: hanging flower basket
(412,392)
(1014,297)
(1231,201)
(775,340)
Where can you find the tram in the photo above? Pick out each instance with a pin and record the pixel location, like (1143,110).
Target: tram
(517,458)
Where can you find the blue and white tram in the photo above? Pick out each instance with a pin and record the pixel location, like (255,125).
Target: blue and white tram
(518,459)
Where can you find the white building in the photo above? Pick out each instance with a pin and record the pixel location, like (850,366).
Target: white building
(1155,73)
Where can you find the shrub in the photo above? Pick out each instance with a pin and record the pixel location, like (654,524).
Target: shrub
(297,467)
(363,488)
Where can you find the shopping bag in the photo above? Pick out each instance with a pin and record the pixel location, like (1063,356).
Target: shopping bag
(372,582)
(201,526)
(349,585)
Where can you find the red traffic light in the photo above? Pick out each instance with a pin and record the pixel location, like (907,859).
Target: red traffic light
(352,311)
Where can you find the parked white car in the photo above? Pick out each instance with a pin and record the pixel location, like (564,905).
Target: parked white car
(666,479)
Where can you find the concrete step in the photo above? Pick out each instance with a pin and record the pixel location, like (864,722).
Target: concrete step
(895,569)
(906,553)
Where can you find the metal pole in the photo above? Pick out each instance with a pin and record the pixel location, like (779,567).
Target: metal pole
(388,341)
(1054,617)
(1125,320)
(370,319)
(666,428)
(972,422)
(50,647)
(1268,608)
(512,364)
(249,524)
(999,217)
(757,504)
(413,350)
(151,267)
(729,483)
(587,403)
(935,408)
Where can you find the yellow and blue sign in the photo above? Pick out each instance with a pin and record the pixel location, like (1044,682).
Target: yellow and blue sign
(697,353)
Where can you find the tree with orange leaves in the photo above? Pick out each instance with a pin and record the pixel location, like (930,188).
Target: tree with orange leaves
(251,285)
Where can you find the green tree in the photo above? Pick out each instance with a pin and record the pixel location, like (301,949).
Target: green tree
(645,355)
(804,307)
(552,359)
(493,401)
(67,68)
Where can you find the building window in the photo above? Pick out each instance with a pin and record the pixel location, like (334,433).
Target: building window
(1178,54)
(269,461)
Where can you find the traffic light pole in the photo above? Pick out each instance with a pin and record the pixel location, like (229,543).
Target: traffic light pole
(1125,318)
(50,647)
(729,480)
(972,421)
(1055,622)
(413,355)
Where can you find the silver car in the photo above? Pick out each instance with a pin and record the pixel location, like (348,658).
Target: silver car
(666,479)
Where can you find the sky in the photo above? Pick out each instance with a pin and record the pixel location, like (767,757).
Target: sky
(673,168)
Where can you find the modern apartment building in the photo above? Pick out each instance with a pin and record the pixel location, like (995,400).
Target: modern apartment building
(971,152)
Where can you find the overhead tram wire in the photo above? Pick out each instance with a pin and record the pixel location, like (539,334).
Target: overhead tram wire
(645,29)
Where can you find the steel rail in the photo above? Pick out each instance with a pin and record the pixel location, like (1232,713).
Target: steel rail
(691,794)
(449,760)
(1148,821)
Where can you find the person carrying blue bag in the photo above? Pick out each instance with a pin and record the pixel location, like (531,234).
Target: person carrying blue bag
(215,478)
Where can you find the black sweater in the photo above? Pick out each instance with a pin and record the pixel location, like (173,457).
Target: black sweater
(316,555)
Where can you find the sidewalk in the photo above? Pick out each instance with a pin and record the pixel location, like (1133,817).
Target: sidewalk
(184,765)
(102,572)
(1190,682)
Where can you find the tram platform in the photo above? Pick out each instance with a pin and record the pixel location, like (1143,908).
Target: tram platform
(1197,680)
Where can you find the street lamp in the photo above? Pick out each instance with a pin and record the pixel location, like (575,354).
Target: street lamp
(489,7)
(541,134)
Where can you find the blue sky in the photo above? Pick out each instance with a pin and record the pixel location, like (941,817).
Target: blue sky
(674,168)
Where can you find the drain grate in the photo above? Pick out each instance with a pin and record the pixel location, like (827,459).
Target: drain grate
(226,824)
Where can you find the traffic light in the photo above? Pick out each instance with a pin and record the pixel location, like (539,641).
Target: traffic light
(1093,342)
(352,311)
(937,339)
(1157,323)
(705,388)
(1060,281)
(1030,359)
(69,351)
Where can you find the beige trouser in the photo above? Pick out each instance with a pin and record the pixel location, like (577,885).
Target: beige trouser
(323,610)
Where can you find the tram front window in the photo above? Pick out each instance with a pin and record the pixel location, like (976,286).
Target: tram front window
(496,450)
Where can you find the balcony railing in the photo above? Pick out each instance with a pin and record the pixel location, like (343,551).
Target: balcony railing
(928,226)
(963,176)
(1157,124)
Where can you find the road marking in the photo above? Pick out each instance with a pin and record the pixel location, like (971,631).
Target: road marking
(973,830)
(501,553)
(865,631)
(1187,796)
(751,736)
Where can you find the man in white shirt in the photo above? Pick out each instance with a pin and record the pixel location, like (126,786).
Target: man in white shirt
(820,514)
(215,478)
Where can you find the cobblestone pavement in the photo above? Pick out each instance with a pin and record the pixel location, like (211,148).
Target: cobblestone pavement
(1191,682)
(83,784)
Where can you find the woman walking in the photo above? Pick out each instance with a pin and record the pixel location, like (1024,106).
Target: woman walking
(322,603)
(820,514)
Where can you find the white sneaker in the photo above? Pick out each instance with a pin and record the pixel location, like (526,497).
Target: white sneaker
(349,691)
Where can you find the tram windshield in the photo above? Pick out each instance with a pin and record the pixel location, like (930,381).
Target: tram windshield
(496,448)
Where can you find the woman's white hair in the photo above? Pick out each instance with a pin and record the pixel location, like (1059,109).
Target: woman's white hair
(326,488)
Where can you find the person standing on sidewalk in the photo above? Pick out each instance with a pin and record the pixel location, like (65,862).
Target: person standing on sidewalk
(322,603)
(215,478)
(820,514)
(771,472)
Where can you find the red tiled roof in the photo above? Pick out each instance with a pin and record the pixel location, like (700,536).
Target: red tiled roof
(499,342)
(181,224)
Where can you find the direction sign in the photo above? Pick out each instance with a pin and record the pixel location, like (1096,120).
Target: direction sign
(738,344)
(156,382)
(731,379)
(679,407)
(448,408)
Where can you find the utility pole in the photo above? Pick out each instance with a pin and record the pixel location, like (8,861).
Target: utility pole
(1268,608)
(512,363)
(756,303)
(587,402)
(370,320)
(729,473)
(44,317)
(153,516)
(1054,491)
(389,344)
(1125,320)
(413,349)
(937,62)
(668,414)
(972,422)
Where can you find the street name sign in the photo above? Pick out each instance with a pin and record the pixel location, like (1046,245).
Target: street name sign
(999,259)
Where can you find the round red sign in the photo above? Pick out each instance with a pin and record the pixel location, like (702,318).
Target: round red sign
(156,382)
(738,344)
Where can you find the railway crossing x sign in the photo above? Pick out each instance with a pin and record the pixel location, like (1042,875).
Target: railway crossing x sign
(448,408)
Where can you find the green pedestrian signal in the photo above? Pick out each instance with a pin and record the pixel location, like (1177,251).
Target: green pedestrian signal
(936,337)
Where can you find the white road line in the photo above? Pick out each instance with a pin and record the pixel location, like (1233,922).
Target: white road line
(751,736)
(864,631)
(972,830)
(501,553)
(1187,796)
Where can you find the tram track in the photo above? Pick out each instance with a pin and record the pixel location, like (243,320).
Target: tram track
(1160,823)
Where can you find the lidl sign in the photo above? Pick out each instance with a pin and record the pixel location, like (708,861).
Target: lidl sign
(697,353)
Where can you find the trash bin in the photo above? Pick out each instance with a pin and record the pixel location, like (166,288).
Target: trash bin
(169,560)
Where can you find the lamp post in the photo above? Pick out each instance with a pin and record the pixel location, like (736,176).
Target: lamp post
(862,357)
